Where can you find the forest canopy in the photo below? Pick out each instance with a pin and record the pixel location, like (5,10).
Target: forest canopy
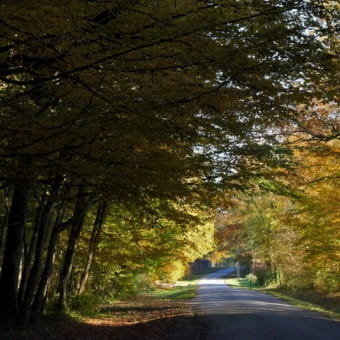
(125,123)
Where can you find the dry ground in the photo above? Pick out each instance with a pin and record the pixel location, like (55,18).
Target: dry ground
(138,319)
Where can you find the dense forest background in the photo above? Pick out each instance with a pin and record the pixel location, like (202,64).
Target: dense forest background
(137,136)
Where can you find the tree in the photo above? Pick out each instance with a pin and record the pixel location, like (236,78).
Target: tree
(135,102)
(317,154)
(293,232)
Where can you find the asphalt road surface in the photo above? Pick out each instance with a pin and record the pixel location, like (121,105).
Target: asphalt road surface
(231,313)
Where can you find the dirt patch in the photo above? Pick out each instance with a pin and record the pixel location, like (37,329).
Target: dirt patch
(131,312)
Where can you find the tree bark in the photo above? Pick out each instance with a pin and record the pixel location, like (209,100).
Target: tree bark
(35,273)
(39,299)
(4,225)
(28,260)
(80,210)
(9,306)
(92,246)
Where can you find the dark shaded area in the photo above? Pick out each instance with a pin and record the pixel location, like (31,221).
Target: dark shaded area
(171,328)
(244,325)
(200,266)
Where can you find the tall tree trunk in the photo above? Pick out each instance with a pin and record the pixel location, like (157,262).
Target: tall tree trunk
(4,224)
(43,220)
(28,260)
(39,299)
(35,273)
(79,216)
(92,246)
(67,267)
(9,306)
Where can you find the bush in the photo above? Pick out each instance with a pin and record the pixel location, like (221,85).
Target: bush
(172,271)
(252,278)
(84,304)
(264,276)
(327,279)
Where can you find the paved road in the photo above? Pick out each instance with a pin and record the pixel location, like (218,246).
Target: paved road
(245,314)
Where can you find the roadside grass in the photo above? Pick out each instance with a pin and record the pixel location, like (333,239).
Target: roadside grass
(184,290)
(328,305)
(241,282)
(305,301)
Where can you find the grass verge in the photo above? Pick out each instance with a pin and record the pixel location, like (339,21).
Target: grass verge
(184,291)
(327,305)
(242,282)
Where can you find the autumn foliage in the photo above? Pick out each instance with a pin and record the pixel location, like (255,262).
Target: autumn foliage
(125,124)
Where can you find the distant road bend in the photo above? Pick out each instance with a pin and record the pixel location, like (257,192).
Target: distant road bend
(231,313)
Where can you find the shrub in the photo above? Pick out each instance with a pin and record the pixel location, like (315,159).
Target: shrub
(252,278)
(84,304)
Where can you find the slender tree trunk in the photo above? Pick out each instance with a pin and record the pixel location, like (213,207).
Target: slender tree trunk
(43,220)
(39,299)
(92,246)
(35,273)
(272,271)
(279,278)
(9,306)
(2,243)
(65,274)
(71,280)
(28,260)
(79,214)
(3,226)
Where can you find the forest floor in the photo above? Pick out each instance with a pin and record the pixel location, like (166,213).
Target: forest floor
(165,314)
(137,319)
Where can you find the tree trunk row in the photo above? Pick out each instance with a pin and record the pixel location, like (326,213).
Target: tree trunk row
(28,250)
